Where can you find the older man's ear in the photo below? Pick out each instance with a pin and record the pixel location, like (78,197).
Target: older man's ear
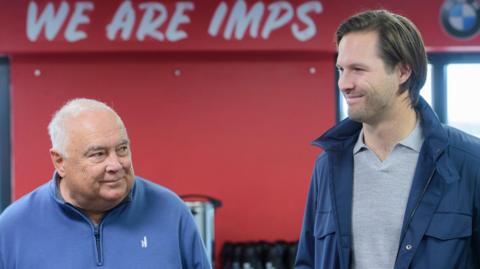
(58,162)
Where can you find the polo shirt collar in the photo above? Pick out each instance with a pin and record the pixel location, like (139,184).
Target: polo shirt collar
(413,141)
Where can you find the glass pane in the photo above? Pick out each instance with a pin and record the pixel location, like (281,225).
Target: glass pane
(425,92)
(343,107)
(462,97)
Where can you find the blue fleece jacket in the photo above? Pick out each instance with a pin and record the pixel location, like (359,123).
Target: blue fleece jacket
(153,228)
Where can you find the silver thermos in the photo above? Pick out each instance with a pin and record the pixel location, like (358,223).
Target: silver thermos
(203,210)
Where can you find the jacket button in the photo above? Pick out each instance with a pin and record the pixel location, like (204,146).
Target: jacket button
(408,247)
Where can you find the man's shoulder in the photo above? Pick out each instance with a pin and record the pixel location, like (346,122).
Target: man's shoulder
(321,166)
(322,160)
(155,192)
(25,207)
(462,142)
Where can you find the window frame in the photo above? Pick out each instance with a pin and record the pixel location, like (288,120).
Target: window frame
(439,62)
(5,135)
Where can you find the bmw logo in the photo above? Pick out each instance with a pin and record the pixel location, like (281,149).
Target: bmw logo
(461,18)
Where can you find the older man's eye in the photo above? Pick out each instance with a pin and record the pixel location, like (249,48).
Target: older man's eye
(98,154)
(122,150)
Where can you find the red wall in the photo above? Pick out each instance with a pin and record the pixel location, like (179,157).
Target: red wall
(236,128)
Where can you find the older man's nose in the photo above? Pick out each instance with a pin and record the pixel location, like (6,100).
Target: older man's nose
(113,163)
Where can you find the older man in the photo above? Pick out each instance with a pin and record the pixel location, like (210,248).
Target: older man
(95,212)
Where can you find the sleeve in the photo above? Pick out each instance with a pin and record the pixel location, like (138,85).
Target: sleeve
(476,223)
(306,246)
(2,265)
(3,245)
(193,251)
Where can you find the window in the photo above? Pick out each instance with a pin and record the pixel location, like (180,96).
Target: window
(463,94)
(426,91)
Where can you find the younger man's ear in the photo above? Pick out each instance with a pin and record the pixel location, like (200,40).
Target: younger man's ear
(404,72)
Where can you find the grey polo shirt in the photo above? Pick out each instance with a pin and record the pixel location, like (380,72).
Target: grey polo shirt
(380,194)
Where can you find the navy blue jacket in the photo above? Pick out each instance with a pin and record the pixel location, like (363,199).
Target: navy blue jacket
(442,219)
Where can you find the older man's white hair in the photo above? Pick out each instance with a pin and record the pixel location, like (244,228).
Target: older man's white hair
(57,127)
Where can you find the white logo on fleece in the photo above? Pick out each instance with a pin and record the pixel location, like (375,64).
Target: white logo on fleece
(144,242)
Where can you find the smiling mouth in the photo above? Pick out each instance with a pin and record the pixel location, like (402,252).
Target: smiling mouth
(112,180)
(352,99)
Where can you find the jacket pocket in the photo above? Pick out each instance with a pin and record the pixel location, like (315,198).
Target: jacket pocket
(326,245)
(450,225)
(324,224)
(446,244)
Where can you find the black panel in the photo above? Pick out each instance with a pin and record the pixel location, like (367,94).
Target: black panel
(5,141)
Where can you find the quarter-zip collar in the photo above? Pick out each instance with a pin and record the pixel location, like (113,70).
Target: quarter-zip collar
(97,229)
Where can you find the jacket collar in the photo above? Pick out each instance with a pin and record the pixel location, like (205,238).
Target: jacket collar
(340,136)
(343,136)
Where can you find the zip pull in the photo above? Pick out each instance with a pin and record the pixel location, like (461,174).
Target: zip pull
(417,204)
(98,245)
(421,196)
